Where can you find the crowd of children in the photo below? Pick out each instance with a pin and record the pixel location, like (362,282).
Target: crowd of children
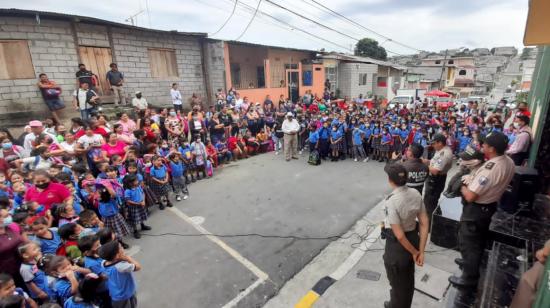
(71,195)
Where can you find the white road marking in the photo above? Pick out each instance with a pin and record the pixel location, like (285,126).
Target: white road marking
(199,220)
(356,255)
(262,276)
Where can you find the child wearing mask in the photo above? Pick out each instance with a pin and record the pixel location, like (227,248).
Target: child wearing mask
(159,181)
(135,202)
(336,142)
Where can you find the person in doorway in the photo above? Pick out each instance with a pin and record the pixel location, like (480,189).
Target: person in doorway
(290,128)
(405,241)
(439,165)
(519,149)
(115,80)
(51,93)
(85,76)
(479,198)
(85,100)
(176,97)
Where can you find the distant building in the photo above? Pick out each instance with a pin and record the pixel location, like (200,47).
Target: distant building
(508,51)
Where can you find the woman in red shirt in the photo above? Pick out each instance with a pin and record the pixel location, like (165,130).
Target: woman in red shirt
(46,193)
(114,146)
(151,133)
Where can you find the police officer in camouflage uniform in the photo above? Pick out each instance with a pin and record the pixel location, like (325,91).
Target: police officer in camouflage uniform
(405,240)
(439,165)
(479,198)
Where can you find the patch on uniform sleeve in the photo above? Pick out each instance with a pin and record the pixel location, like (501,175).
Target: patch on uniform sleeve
(483,180)
(489,165)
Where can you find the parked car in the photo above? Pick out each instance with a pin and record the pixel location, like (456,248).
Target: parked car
(403,101)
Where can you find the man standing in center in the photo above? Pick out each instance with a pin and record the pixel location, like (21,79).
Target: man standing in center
(290,127)
(115,80)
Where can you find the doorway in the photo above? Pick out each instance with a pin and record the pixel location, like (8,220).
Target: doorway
(97,60)
(293,82)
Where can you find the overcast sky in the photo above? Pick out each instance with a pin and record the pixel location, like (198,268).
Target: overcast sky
(431,25)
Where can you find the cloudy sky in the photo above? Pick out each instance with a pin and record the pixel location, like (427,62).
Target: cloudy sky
(431,25)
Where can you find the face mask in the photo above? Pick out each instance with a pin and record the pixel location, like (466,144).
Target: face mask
(516,125)
(172,114)
(43,185)
(334,129)
(7,221)
(7,146)
(138,96)
(148,165)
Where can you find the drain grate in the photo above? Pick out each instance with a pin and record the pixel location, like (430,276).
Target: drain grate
(368,275)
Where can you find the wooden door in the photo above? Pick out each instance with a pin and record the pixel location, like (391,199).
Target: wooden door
(97,60)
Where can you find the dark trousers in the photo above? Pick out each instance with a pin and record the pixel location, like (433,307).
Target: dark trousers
(473,234)
(518,158)
(324,148)
(434,186)
(399,266)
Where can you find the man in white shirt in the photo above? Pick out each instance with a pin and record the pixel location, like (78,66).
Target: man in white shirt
(139,102)
(176,97)
(290,128)
(238,102)
(85,100)
(36,130)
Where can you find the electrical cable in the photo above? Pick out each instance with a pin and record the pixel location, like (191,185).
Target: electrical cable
(363,27)
(228,18)
(250,22)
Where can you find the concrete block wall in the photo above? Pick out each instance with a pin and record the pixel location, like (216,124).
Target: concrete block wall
(348,78)
(52,51)
(215,65)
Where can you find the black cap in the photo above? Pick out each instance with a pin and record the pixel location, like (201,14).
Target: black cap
(439,138)
(471,153)
(497,140)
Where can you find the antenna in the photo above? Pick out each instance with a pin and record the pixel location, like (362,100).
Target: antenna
(133,19)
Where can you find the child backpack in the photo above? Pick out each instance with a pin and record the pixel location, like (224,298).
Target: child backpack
(314,158)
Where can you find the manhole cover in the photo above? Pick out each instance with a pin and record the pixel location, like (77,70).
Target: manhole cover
(368,275)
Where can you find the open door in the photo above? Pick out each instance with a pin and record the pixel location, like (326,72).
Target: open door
(97,60)
(293,83)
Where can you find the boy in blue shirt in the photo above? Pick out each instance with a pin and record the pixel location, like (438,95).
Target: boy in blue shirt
(357,138)
(48,238)
(118,269)
(177,171)
(313,138)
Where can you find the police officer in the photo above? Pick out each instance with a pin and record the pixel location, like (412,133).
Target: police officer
(417,171)
(479,199)
(439,165)
(404,245)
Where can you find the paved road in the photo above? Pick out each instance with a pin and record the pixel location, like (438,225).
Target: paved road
(265,195)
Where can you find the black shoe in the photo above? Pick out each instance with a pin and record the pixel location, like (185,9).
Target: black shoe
(193,180)
(145,227)
(136,234)
(161,206)
(386,304)
(459,262)
(124,245)
(187,181)
(169,204)
(199,177)
(462,282)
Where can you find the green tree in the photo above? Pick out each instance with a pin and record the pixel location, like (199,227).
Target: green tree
(367,47)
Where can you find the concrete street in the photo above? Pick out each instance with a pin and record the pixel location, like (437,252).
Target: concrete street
(265,195)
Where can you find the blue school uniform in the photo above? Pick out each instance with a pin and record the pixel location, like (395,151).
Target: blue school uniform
(336,134)
(31,273)
(134,194)
(158,172)
(49,246)
(387,137)
(357,137)
(177,169)
(94,264)
(367,131)
(108,209)
(404,134)
(63,289)
(121,283)
(418,137)
(73,303)
(463,142)
(313,136)
(77,203)
(324,133)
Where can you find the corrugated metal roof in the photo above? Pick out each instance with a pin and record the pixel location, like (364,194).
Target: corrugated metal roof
(267,46)
(78,18)
(353,58)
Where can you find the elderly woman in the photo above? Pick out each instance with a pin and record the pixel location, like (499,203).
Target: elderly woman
(128,125)
(45,192)
(113,146)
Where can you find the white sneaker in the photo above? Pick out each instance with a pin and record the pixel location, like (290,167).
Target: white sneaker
(178,198)
(300,152)
(365,160)
(185,197)
(276,152)
(355,160)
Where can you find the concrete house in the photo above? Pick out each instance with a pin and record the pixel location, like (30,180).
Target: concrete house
(33,42)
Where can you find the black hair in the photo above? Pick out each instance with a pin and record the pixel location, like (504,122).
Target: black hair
(105,235)
(86,243)
(78,121)
(5,278)
(109,251)
(41,74)
(63,177)
(85,216)
(4,202)
(112,64)
(104,195)
(12,301)
(416,149)
(396,174)
(40,221)
(54,262)
(88,286)
(138,133)
(129,181)
(67,230)
(38,151)
(81,64)
(8,134)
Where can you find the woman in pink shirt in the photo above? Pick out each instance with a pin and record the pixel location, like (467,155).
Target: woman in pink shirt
(128,125)
(113,146)
(46,193)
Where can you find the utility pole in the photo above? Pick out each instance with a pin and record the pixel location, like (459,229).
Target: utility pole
(443,69)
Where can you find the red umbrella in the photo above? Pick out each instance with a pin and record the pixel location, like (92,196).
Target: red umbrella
(437,93)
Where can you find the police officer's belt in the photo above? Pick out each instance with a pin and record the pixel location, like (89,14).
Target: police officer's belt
(391,236)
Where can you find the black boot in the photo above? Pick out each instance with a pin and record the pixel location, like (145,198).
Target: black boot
(145,227)
(124,245)
(136,233)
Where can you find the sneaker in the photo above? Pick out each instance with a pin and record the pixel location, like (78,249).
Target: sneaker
(355,160)
(145,227)
(178,198)
(300,152)
(185,197)
(169,204)
(365,160)
(276,152)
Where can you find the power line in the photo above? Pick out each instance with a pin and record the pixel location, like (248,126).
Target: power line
(320,24)
(228,18)
(251,20)
(361,26)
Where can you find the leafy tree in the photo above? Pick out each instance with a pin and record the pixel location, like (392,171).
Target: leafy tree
(367,47)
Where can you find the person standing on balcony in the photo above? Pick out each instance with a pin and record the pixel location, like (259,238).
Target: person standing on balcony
(115,79)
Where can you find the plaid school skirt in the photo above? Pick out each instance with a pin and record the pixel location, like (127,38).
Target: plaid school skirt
(136,214)
(375,143)
(338,146)
(158,189)
(117,224)
(385,147)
